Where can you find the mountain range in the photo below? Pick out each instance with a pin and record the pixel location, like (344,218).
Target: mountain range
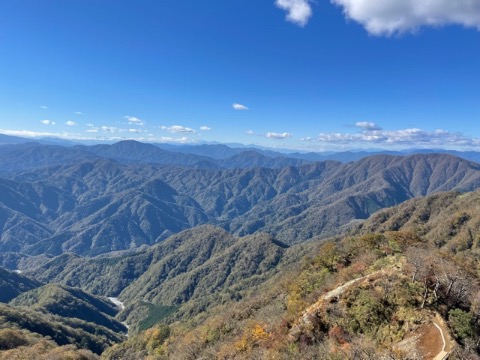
(93,204)
(217,248)
(206,156)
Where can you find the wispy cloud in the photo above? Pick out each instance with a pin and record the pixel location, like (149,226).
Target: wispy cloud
(132,120)
(403,138)
(278,136)
(47,122)
(182,140)
(389,17)
(298,11)
(93,134)
(205,128)
(110,129)
(41,134)
(71,123)
(367,125)
(175,129)
(239,107)
(138,131)
(250,132)
(92,128)
(78,113)
(43,107)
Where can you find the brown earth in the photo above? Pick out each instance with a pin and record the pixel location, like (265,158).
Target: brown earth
(425,343)
(429,343)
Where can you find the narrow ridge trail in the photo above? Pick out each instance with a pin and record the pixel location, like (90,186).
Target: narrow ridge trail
(441,336)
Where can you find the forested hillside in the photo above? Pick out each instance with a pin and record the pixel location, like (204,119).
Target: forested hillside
(100,206)
(13,284)
(197,268)
(43,320)
(71,303)
(376,293)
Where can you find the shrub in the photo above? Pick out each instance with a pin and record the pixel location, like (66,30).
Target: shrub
(462,323)
(11,339)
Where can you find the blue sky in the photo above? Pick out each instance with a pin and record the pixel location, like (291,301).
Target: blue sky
(322,75)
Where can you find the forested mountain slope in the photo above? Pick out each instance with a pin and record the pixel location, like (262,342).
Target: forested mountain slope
(100,206)
(109,275)
(199,266)
(62,330)
(48,316)
(404,285)
(13,284)
(450,221)
(71,303)
(209,294)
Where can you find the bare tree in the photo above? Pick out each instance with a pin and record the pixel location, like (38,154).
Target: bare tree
(417,258)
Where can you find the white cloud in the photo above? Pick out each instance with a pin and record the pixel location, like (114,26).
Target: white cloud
(78,113)
(91,134)
(250,132)
(136,131)
(48,122)
(132,120)
(367,125)
(182,140)
(71,123)
(177,129)
(239,107)
(298,11)
(43,107)
(403,138)
(41,134)
(389,17)
(278,136)
(109,129)
(205,128)
(90,125)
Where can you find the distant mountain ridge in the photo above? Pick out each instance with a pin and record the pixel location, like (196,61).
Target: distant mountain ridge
(204,156)
(17,158)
